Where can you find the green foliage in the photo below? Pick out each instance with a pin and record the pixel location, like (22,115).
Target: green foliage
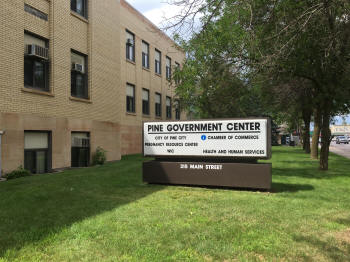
(19,172)
(259,57)
(99,158)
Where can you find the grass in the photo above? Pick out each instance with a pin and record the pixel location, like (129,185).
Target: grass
(106,213)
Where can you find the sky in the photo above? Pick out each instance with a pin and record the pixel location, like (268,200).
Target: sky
(158,10)
(154,10)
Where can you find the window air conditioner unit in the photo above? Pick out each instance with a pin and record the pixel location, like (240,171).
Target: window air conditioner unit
(130,42)
(78,67)
(38,51)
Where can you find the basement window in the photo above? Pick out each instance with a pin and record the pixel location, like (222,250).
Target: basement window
(80,149)
(37,152)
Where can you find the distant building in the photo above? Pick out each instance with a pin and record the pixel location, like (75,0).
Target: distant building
(340,130)
(78,74)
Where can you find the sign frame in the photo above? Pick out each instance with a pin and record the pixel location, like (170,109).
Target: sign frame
(214,158)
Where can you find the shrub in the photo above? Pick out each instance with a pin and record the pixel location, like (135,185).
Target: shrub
(99,157)
(19,172)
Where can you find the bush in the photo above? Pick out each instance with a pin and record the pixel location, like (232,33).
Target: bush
(19,172)
(99,157)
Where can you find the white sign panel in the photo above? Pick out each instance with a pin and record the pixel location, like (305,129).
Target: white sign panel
(209,138)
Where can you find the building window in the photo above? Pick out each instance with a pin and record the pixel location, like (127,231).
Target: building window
(36,152)
(80,154)
(36,63)
(130,46)
(168,107)
(158,104)
(130,98)
(177,69)
(145,54)
(79,78)
(79,6)
(31,10)
(168,68)
(177,109)
(158,62)
(145,101)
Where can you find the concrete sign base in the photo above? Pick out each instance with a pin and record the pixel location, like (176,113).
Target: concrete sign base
(235,175)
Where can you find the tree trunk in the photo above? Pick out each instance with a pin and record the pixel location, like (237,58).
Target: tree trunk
(316,134)
(306,131)
(326,140)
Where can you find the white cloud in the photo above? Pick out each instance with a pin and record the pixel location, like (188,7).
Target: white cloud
(144,6)
(157,11)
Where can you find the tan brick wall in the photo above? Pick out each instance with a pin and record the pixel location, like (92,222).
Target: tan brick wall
(102,38)
(131,124)
(104,134)
(97,37)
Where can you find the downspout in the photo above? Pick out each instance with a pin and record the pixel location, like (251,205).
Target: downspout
(1,133)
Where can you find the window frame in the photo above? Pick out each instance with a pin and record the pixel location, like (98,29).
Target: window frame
(168,68)
(158,108)
(84,12)
(48,150)
(156,62)
(87,149)
(144,60)
(127,47)
(177,110)
(133,99)
(32,60)
(145,103)
(176,78)
(168,108)
(85,76)
(36,12)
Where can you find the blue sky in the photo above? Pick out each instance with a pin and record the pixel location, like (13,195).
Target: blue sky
(339,120)
(144,6)
(155,10)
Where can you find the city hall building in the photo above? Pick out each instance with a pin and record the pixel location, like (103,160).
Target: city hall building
(80,74)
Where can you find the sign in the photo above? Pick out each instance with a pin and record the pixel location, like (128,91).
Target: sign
(238,175)
(232,138)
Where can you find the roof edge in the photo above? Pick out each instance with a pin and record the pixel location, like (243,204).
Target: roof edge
(144,19)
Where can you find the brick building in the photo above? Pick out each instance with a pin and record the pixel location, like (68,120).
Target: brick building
(78,74)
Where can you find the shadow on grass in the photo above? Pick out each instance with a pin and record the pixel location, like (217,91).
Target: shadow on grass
(343,221)
(308,168)
(32,208)
(330,249)
(290,188)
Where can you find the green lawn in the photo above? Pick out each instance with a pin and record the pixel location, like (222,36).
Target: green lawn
(107,214)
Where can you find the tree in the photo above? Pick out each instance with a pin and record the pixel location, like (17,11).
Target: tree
(281,41)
